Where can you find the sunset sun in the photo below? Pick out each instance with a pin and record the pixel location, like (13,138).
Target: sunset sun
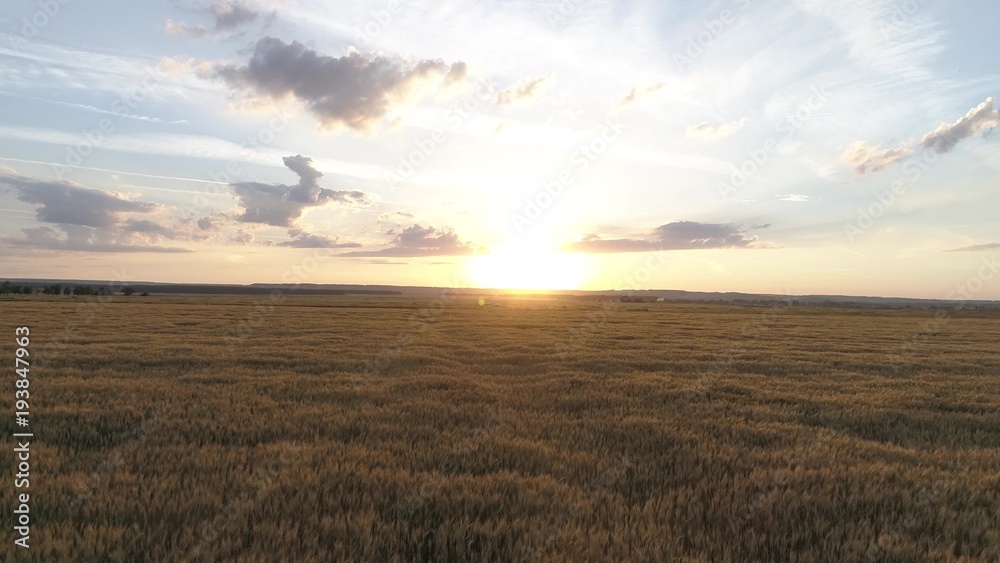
(528,267)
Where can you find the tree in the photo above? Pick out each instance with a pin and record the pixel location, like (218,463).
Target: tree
(83,290)
(27,290)
(5,288)
(126,291)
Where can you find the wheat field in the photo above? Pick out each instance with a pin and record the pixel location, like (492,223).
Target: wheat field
(211,428)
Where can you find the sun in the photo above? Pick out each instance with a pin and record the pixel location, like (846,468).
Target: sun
(528,266)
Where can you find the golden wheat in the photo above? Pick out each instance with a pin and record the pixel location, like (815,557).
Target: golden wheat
(388,429)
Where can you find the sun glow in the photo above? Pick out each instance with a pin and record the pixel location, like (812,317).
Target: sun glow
(528,267)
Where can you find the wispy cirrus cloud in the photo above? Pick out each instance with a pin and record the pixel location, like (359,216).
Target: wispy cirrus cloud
(796,198)
(977,247)
(188,146)
(94,109)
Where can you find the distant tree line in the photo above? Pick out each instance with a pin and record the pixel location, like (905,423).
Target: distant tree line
(8,288)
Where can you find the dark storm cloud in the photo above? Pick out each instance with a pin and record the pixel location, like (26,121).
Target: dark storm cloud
(281,205)
(681,235)
(354,91)
(419,241)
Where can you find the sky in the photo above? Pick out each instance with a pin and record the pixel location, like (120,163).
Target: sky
(801,147)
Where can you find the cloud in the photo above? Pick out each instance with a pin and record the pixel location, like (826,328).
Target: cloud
(281,205)
(457,72)
(228,17)
(864,157)
(242,237)
(524,90)
(636,94)
(91,220)
(144,231)
(180,66)
(797,198)
(355,91)
(680,235)
(73,204)
(709,132)
(78,238)
(395,219)
(383,261)
(980,119)
(122,111)
(977,247)
(419,241)
(146,226)
(302,239)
